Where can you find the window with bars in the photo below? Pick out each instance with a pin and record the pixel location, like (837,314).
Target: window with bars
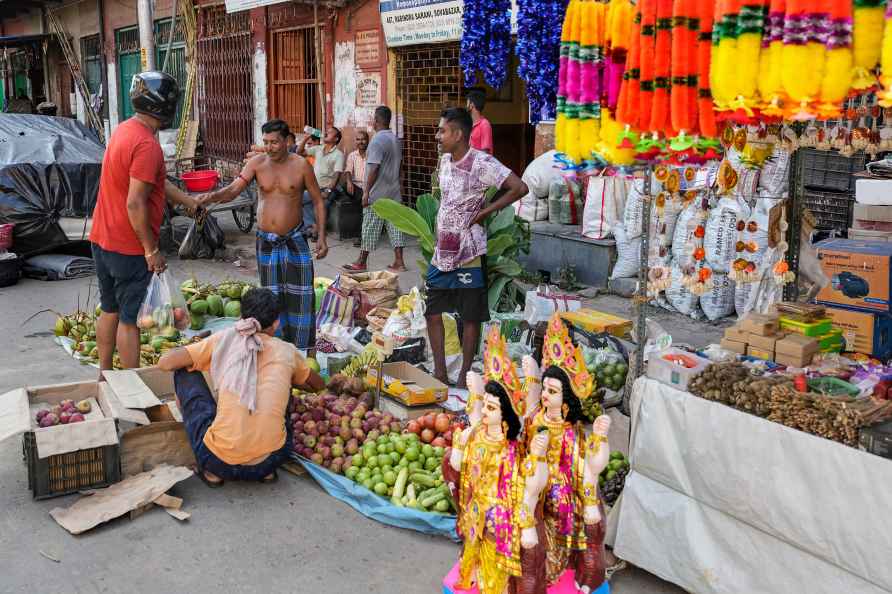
(176,62)
(294,84)
(92,63)
(428,79)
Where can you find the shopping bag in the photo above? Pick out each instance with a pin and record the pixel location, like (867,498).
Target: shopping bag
(163,309)
(202,239)
(545,300)
(338,306)
(373,289)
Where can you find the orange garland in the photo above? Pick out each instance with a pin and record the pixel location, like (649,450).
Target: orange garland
(659,119)
(648,40)
(705,108)
(629,95)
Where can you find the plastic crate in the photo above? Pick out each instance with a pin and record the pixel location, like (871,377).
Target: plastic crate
(831,209)
(829,171)
(10,271)
(64,474)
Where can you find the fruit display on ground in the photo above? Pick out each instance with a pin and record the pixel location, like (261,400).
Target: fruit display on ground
(219,301)
(339,430)
(613,477)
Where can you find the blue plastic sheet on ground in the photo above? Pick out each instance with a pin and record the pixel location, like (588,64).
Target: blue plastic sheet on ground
(378,508)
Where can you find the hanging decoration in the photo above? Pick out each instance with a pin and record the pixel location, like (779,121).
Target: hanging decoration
(619,33)
(486,41)
(770,83)
(538,52)
(663,53)
(628,102)
(838,66)
(705,113)
(867,41)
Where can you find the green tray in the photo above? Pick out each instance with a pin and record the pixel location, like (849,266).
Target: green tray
(814,329)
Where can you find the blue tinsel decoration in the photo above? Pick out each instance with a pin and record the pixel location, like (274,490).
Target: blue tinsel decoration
(539,25)
(486,41)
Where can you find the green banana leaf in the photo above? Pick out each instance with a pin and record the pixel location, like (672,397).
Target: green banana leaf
(496,288)
(502,221)
(496,246)
(427,207)
(406,220)
(506,266)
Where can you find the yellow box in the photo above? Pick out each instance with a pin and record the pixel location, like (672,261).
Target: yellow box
(760,353)
(598,321)
(734,346)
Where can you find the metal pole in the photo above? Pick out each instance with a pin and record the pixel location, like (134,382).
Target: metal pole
(146,21)
(320,76)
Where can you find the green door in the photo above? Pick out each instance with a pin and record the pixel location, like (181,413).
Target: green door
(20,84)
(128,66)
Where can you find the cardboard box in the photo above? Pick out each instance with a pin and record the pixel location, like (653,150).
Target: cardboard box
(418,386)
(864,332)
(865,212)
(868,234)
(859,273)
(150,426)
(736,334)
(873,191)
(796,345)
(760,324)
(403,412)
(734,346)
(760,353)
(765,343)
(801,360)
(598,321)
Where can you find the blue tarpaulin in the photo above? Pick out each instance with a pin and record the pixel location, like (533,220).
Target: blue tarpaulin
(378,508)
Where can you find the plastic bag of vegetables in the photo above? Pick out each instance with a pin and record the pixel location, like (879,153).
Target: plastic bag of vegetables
(163,311)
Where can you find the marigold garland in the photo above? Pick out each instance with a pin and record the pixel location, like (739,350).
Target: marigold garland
(885,95)
(750,26)
(662,67)
(770,83)
(867,41)
(803,52)
(723,66)
(838,66)
(705,111)
(629,100)
(647,64)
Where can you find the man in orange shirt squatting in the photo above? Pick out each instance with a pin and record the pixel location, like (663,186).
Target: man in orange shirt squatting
(127,219)
(245,434)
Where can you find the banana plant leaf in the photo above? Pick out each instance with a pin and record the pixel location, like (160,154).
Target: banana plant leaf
(496,246)
(427,207)
(406,220)
(506,266)
(496,288)
(502,221)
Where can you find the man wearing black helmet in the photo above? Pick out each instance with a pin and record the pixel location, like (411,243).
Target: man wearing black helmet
(133,191)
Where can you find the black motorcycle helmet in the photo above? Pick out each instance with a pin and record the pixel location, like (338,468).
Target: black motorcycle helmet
(156,94)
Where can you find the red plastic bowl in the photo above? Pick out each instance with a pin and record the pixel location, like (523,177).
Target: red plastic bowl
(200,181)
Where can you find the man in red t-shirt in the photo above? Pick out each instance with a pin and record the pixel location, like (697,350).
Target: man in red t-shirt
(481,132)
(133,191)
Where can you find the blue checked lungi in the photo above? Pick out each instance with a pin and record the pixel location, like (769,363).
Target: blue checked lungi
(286,268)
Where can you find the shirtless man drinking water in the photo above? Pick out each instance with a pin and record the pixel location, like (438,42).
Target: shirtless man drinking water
(283,254)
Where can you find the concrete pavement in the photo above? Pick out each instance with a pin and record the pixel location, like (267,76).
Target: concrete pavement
(287,537)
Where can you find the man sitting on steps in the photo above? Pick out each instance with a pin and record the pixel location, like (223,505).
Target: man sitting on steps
(245,434)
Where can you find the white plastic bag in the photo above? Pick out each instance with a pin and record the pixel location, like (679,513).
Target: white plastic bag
(721,232)
(633,215)
(628,254)
(683,238)
(604,206)
(539,173)
(565,200)
(545,300)
(532,208)
(680,297)
(718,301)
(163,307)
(773,182)
(405,323)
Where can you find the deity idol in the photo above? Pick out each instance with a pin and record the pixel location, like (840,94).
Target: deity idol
(569,513)
(497,491)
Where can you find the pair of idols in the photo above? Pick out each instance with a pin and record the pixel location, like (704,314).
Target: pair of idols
(524,474)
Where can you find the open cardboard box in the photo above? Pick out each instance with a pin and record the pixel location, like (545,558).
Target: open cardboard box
(421,388)
(19,407)
(151,428)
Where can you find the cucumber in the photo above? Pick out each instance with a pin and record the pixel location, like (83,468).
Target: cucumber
(432,499)
(400,486)
(422,480)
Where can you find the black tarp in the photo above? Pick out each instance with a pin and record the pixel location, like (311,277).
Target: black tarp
(32,144)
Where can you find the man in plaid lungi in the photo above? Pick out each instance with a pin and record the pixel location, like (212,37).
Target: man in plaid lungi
(283,254)
(382,180)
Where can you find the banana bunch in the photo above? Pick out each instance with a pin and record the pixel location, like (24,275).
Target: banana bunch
(406,303)
(360,363)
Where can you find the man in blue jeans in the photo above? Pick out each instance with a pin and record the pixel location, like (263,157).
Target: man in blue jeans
(245,434)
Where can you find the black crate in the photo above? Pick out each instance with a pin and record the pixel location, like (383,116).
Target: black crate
(831,209)
(877,439)
(829,171)
(63,474)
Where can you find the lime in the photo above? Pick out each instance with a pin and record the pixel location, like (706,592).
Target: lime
(369,450)
(616,455)
(352,472)
(412,453)
(383,459)
(357,459)
(422,459)
(395,458)
(438,451)
(400,446)
(382,439)
(416,465)
(386,468)
(362,476)
(601,480)
(381,488)
(412,437)
(611,474)
(615,465)
(622,368)
(389,448)
(609,369)
(390,477)
(403,463)
(428,450)
(368,484)
(372,462)
(431,463)
(377,478)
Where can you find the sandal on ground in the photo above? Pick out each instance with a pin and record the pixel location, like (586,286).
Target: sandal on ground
(395,269)
(354,268)
(211,484)
(618,566)
(270,478)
